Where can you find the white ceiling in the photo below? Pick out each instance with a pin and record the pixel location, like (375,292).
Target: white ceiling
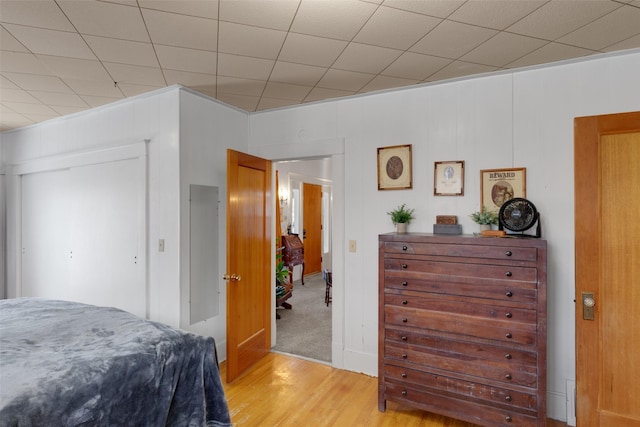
(63,56)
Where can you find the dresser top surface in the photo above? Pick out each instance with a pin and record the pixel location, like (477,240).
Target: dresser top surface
(464,239)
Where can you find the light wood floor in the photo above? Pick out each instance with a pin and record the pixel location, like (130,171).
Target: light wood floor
(287,391)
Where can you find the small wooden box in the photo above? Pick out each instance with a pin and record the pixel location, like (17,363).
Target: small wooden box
(446,219)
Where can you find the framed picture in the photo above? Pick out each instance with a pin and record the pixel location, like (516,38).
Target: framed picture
(448,178)
(394,168)
(499,185)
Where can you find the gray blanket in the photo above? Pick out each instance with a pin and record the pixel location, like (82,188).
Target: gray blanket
(70,364)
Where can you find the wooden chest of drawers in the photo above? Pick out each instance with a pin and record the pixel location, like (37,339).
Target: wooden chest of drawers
(293,254)
(462,327)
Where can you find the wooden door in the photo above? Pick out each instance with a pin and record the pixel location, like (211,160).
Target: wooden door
(312,226)
(607,228)
(249,261)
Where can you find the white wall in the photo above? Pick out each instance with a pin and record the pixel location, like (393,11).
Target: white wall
(518,119)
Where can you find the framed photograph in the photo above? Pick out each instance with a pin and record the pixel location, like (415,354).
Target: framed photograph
(448,178)
(499,185)
(394,168)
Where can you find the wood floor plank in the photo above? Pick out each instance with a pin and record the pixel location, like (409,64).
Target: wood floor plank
(283,391)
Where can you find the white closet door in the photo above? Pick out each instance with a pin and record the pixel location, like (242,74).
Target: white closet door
(46,240)
(108,261)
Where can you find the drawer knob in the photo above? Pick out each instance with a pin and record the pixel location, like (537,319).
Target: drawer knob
(508,253)
(508,419)
(509,294)
(508,356)
(404,356)
(508,398)
(404,392)
(404,265)
(405,302)
(404,248)
(404,338)
(508,274)
(404,283)
(509,315)
(403,375)
(508,376)
(404,320)
(508,335)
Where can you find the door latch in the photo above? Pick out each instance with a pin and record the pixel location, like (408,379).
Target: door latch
(588,302)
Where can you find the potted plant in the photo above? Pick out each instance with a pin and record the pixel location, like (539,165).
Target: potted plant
(401,216)
(485,218)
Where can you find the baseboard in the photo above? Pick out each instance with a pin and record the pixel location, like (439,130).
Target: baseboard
(363,363)
(557,406)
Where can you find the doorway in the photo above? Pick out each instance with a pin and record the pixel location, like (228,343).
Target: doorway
(305,195)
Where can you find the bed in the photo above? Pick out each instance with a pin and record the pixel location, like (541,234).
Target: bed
(71,364)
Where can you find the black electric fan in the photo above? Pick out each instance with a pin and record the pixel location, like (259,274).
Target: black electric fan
(519,215)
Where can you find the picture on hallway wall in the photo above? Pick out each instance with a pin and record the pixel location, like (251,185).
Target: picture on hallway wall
(448,178)
(499,185)
(394,168)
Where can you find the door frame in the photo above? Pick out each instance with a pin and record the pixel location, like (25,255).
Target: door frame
(333,148)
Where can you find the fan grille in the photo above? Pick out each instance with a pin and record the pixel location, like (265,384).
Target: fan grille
(518,214)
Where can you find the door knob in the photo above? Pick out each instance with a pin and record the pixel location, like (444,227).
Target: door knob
(588,302)
(232,277)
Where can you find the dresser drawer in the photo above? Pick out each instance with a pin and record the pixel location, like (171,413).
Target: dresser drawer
(498,330)
(466,389)
(522,293)
(506,371)
(506,253)
(470,411)
(487,272)
(476,307)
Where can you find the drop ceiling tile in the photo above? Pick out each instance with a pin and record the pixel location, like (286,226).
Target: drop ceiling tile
(386,82)
(318,94)
(366,58)
(29,108)
(105,19)
(630,43)
(63,110)
(270,103)
(551,52)
(305,75)
(133,89)
(276,15)
(459,69)
(204,88)
(496,14)
(90,87)
(246,103)
(186,78)
(311,50)
(96,101)
(13,120)
(240,86)
(503,49)
(557,18)
(123,51)
(286,91)
(43,14)
(18,95)
(415,66)
(122,73)
(437,8)
(20,62)
(5,83)
(333,19)
(73,68)
(613,28)
(203,9)
(56,98)
(345,80)
(37,82)
(51,42)
(250,41)
(395,28)
(183,59)
(41,117)
(452,39)
(8,42)
(244,67)
(183,31)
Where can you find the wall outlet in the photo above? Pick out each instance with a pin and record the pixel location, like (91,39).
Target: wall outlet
(352,245)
